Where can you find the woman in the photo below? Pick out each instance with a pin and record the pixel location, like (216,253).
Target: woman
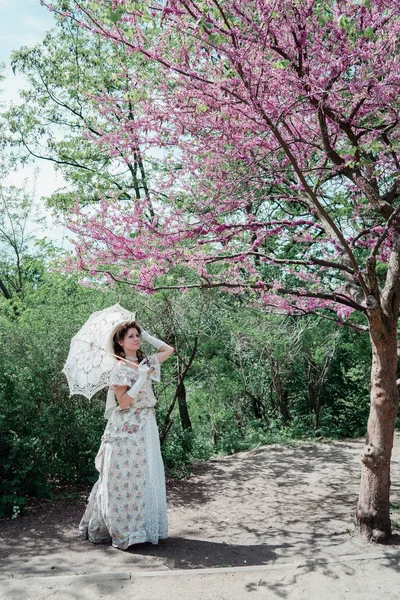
(127,504)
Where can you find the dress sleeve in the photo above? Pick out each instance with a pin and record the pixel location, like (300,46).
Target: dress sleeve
(121,376)
(155,365)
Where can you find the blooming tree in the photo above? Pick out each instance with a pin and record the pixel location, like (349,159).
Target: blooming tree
(276,123)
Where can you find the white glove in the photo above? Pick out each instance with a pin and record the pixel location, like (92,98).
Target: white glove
(143,369)
(146,337)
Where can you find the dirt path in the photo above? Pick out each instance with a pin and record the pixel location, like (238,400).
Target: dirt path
(268,506)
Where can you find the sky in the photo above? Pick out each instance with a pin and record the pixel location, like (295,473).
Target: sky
(24,23)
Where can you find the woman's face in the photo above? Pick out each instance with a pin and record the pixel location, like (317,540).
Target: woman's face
(131,341)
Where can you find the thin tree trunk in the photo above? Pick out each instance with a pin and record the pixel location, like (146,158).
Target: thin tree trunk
(373,510)
(280,391)
(214,435)
(257,406)
(183,409)
(271,397)
(4,290)
(178,390)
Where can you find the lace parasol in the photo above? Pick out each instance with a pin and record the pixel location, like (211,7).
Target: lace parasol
(90,359)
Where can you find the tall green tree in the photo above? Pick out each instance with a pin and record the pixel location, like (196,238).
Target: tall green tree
(19,263)
(60,115)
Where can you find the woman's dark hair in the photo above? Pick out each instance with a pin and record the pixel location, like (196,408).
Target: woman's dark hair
(120,334)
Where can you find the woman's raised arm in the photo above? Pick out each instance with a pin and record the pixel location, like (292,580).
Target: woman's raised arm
(164,350)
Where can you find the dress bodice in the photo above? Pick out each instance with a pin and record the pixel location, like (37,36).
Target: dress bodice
(122,374)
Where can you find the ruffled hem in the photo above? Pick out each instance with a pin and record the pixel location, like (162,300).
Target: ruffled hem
(84,534)
(139,537)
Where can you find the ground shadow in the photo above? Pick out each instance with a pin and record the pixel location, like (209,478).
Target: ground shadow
(271,504)
(186,553)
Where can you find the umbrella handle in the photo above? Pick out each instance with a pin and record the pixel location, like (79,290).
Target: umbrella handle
(111,353)
(114,355)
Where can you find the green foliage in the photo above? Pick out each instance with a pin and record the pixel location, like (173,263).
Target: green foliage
(45,437)
(255,379)
(233,403)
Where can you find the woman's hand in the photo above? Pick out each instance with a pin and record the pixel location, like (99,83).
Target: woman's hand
(144,368)
(164,349)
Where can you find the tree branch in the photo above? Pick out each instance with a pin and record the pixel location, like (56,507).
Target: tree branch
(283,261)
(385,232)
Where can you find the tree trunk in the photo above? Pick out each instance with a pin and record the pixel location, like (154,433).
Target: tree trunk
(180,395)
(257,406)
(372,516)
(183,409)
(280,391)
(4,290)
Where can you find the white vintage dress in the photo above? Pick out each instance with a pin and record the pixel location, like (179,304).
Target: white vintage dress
(127,504)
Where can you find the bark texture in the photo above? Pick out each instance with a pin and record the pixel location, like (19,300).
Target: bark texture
(373,510)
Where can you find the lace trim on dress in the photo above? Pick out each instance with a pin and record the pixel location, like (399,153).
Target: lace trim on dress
(124,375)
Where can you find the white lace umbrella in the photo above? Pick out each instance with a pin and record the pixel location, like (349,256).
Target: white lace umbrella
(91,359)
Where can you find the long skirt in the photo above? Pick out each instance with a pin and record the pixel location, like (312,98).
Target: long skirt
(127,504)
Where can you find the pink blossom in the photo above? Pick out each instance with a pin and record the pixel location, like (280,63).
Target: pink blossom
(269,134)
